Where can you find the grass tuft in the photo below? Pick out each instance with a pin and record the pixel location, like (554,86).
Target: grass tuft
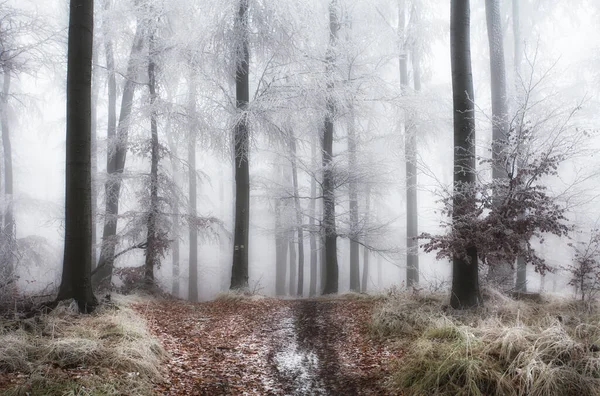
(114,339)
(506,348)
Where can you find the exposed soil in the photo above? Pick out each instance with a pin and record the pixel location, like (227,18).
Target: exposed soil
(268,347)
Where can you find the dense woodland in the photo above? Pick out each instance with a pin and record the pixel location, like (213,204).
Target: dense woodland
(299,197)
(300,148)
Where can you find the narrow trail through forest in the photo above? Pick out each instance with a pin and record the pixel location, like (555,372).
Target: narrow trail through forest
(268,347)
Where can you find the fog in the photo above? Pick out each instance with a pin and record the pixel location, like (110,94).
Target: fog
(288,45)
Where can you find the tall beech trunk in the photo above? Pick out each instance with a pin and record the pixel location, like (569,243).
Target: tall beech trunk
(175,217)
(280,242)
(465,273)
(152,249)
(77,262)
(193,256)
(94,154)
(500,272)
(365,273)
(9,232)
(293,285)
(521,282)
(116,156)
(239,268)
(312,288)
(299,217)
(331,265)
(353,206)
(410,154)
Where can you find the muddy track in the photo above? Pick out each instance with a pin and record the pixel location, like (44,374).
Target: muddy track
(268,347)
(306,360)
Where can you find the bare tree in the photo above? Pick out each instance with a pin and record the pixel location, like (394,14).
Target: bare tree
(77,264)
(501,273)
(117,154)
(330,284)
(239,269)
(465,268)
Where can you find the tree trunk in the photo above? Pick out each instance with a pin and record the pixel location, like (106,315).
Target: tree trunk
(521,283)
(365,274)
(353,206)
(410,153)
(193,256)
(239,268)
(312,289)
(299,217)
(465,275)
(501,273)
(116,156)
(94,154)
(77,262)
(331,265)
(293,282)
(8,233)
(175,217)
(280,256)
(152,249)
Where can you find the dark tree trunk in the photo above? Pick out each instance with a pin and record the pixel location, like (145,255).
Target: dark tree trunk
(239,268)
(193,256)
(331,265)
(152,249)
(77,262)
(8,232)
(94,154)
(465,273)
(117,154)
(365,274)
(500,272)
(353,206)
(312,289)
(299,217)
(521,283)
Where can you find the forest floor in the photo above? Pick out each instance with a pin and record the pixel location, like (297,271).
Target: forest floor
(264,346)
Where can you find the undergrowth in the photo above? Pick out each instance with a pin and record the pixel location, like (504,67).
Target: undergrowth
(507,347)
(61,352)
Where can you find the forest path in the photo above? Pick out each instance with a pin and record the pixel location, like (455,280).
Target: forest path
(268,347)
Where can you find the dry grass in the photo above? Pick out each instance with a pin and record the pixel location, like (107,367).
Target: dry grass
(112,348)
(506,348)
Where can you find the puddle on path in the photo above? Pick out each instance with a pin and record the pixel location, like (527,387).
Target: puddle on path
(296,365)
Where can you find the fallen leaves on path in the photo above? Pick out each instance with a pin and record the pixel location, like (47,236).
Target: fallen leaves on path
(239,347)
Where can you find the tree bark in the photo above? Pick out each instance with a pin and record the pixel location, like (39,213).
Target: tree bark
(94,154)
(175,217)
(312,289)
(299,216)
(193,256)
(500,272)
(353,206)
(410,151)
(293,286)
(365,273)
(239,268)
(152,249)
(331,265)
(117,154)
(280,242)
(77,262)
(465,273)
(521,282)
(8,232)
